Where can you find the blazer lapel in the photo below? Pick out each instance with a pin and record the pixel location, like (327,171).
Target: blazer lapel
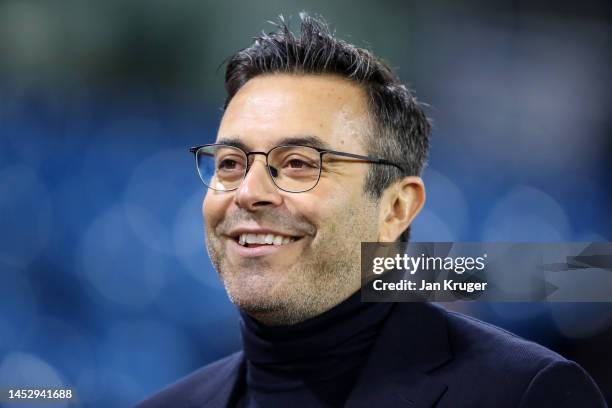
(227,384)
(412,342)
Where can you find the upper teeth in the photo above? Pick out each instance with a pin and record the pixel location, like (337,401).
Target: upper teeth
(269,239)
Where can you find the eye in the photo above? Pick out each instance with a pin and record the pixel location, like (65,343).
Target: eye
(227,164)
(299,163)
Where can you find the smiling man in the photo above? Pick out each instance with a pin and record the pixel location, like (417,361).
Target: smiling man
(286,256)
(320,148)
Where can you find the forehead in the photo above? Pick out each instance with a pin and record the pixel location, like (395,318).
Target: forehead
(271,108)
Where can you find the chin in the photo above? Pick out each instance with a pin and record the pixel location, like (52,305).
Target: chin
(257,292)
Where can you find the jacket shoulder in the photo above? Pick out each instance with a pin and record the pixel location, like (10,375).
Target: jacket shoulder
(493,346)
(197,387)
(562,385)
(511,370)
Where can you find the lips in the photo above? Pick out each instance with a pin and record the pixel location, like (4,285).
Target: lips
(248,239)
(253,239)
(255,250)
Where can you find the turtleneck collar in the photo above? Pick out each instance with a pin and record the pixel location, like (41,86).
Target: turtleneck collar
(320,348)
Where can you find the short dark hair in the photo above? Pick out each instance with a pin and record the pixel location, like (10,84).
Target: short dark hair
(400,126)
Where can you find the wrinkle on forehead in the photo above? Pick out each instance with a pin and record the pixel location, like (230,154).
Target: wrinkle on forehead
(275,105)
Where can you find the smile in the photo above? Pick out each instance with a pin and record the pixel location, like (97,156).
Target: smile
(259,244)
(264,239)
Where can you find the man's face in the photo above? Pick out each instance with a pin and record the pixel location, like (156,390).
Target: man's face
(319,267)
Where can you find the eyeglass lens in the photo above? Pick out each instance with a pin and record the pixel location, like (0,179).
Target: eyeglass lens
(292,168)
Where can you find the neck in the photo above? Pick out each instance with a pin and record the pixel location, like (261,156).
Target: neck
(335,339)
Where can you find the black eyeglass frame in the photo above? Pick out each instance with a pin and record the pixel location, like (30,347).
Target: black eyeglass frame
(322,152)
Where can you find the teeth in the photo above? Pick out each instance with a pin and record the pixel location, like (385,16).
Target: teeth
(269,239)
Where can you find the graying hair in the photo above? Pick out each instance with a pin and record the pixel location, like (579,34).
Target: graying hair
(400,126)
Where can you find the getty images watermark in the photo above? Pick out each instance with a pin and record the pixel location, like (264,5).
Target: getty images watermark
(434,271)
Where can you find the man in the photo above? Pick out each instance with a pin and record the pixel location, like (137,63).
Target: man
(319,149)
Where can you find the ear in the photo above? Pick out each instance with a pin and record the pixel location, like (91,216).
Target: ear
(399,204)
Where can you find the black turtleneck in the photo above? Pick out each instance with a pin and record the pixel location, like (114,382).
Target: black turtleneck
(314,363)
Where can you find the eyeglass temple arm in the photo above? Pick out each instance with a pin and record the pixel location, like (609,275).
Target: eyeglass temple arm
(337,153)
(360,157)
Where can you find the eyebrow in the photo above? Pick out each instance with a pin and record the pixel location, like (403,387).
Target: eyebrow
(298,140)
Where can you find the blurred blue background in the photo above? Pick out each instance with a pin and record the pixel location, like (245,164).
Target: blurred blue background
(105,282)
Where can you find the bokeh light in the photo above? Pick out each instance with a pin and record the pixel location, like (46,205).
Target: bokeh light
(106,283)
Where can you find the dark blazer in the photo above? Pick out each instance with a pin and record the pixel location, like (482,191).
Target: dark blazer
(426,356)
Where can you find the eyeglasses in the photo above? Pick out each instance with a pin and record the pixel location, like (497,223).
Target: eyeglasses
(294,169)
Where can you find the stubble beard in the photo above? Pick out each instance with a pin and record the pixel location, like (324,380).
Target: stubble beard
(326,273)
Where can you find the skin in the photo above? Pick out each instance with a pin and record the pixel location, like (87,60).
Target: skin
(301,280)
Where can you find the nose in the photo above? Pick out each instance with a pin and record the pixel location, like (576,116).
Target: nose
(257,190)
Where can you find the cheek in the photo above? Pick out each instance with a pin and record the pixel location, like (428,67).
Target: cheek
(213,209)
(320,209)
